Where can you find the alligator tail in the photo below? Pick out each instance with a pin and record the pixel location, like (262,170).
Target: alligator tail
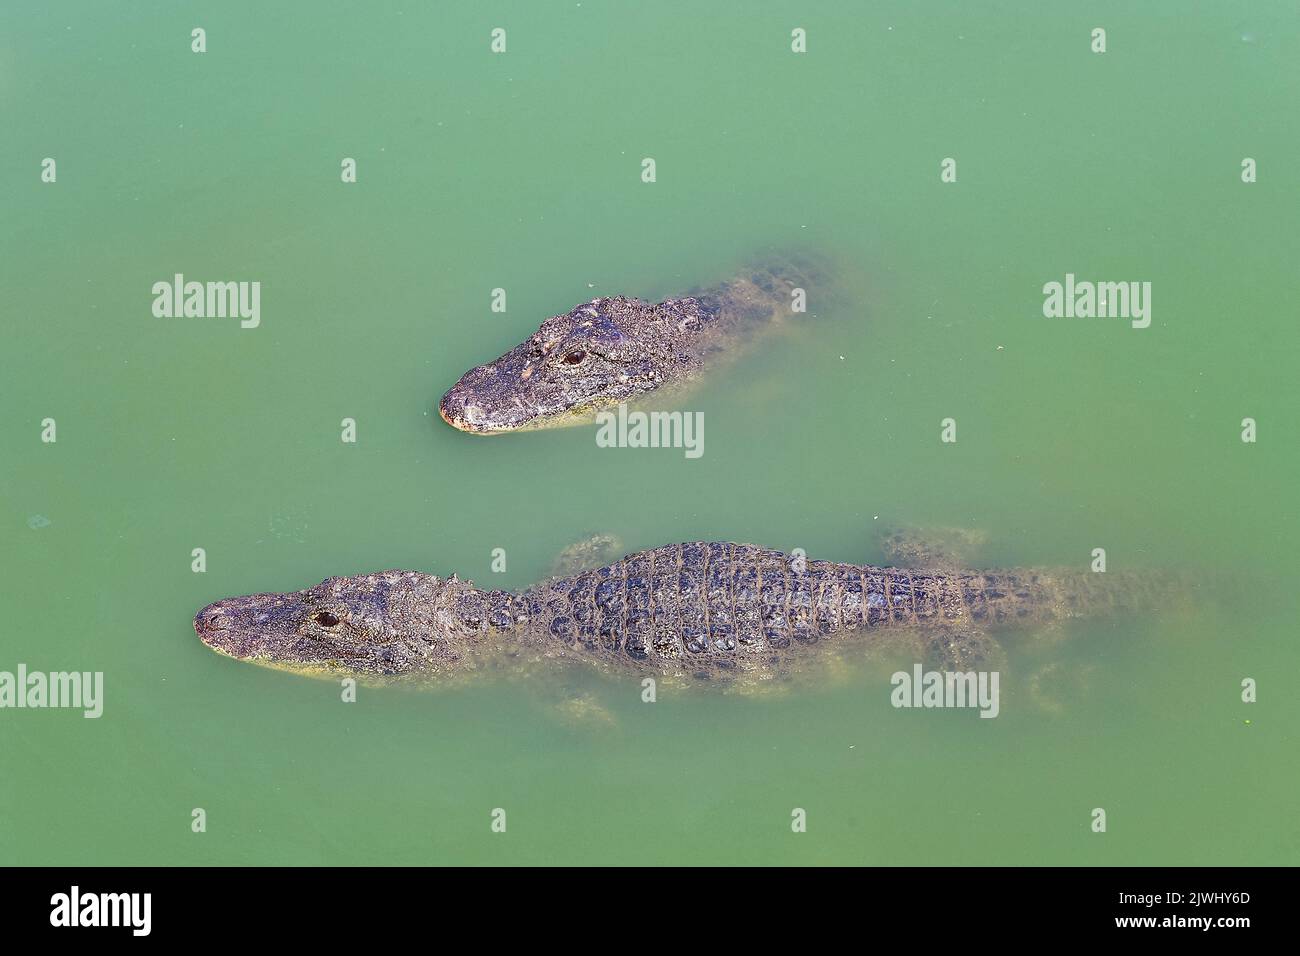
(1091,594)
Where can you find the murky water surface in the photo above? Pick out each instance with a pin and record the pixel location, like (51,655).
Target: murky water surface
(522,171)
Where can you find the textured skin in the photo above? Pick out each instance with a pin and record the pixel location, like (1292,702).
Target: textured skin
(701,609)
(616,349)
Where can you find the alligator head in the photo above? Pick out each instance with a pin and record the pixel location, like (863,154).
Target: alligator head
(387,623)
(599,354)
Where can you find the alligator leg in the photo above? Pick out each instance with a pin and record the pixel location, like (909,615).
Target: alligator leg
(752,688)
(963,647)
(593,551)
(930,547)
(583,709)
(568,696)
(1056,685)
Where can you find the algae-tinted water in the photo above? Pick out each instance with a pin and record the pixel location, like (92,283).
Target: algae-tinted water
(522,171)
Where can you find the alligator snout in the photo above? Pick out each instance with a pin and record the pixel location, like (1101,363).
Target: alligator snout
(459,411)
(483,401)
(216,626)
(210,621)
(244,627)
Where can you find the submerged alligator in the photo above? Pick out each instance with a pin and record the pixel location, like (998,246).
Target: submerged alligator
(615,349)
(731,612)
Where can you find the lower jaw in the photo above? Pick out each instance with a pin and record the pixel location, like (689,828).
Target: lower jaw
(313,671)
(563,420)
(469,429)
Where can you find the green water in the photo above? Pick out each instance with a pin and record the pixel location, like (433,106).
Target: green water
(522,171)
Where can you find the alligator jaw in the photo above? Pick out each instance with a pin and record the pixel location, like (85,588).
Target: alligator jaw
(466,415)
(474,428)
(460,424)
(313,671)
(580,415)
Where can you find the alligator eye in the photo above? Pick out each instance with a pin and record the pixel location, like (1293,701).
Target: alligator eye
(573,358)
(324,618)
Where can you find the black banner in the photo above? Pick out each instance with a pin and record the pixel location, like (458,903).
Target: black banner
(301,905)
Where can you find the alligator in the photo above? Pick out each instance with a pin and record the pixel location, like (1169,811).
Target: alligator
(617,349)
(711,610)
